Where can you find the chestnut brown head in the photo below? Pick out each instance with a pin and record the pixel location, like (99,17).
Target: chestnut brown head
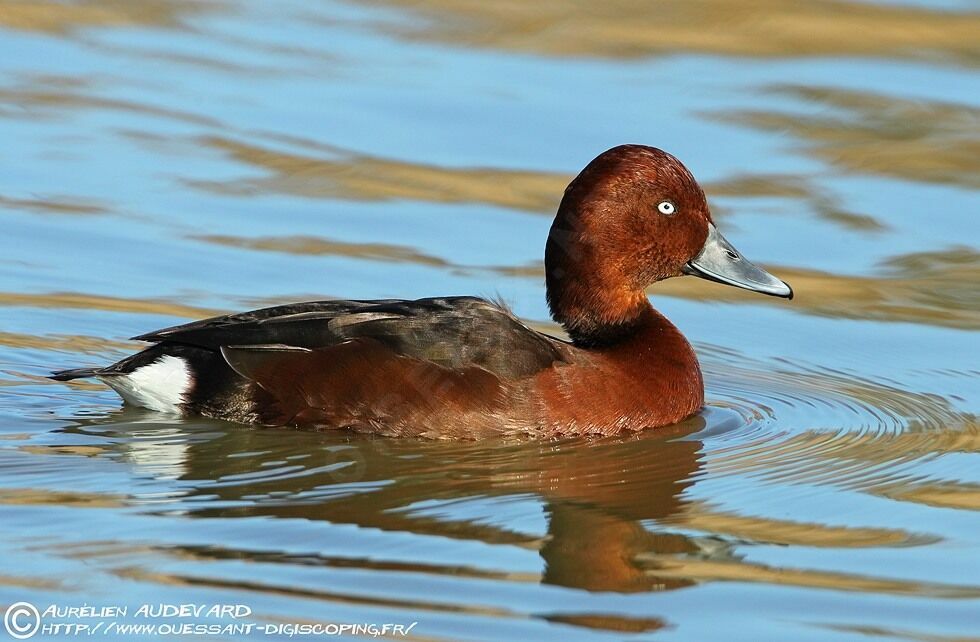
(633,216)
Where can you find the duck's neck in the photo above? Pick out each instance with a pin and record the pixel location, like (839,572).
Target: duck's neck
(596,298)
(595,310)
(594,317)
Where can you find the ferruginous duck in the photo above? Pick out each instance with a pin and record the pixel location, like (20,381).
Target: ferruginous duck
(464,367)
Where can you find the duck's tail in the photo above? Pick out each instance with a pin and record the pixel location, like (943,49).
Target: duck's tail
(75,373)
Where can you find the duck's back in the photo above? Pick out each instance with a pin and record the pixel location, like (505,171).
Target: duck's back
(385,366)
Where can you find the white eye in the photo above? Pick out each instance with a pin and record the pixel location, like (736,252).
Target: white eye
(666,207)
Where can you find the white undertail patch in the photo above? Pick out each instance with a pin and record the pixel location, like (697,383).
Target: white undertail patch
(159,386)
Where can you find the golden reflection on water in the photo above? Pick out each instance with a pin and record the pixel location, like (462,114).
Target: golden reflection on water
(634,28)
(318,246)
(607,622)
(872,133)
(62,343)
(40,497)
(958,495)
(419,605)
(28,583)
(703,517)
(825,206)
(619,28)
(361,177)
(40,97)
(52,16)
(51,205)
(896,632)
(740,571)
(73,300)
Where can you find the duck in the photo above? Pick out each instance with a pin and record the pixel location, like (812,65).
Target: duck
(464,367)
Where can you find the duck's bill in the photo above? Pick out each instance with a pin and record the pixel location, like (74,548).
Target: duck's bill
(719,261)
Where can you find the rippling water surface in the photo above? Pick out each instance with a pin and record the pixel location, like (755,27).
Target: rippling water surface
(167,159)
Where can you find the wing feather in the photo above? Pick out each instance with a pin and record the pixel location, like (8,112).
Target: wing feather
(453,332)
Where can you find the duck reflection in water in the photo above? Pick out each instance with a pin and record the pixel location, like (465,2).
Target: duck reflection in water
(607,501)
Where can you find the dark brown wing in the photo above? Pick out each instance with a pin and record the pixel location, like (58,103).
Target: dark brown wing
(258,324)
(452,332)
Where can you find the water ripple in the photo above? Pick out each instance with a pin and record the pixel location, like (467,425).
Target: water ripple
(850,432)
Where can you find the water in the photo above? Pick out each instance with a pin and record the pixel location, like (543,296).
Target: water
(167,160)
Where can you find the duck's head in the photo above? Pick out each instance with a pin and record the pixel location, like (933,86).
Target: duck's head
(633,216)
